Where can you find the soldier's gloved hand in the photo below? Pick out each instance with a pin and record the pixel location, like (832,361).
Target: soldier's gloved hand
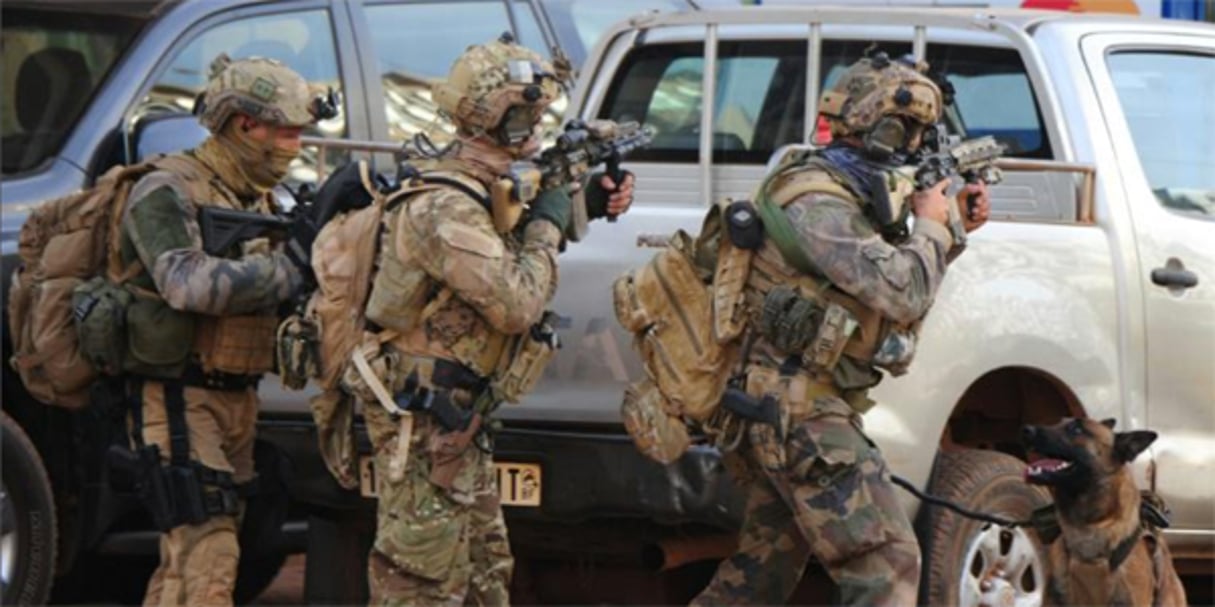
(605,199)
(552,205)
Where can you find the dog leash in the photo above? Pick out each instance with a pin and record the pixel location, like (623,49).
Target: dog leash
(971,514)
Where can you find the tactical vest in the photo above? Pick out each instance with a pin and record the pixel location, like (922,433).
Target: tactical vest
(427,321)
(849,329)
(236,344)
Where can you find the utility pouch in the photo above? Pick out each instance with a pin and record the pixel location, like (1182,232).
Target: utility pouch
(743,225)
(297,352)
(527,358)
(99,309)
(895,352)
(837,326)
(159,339)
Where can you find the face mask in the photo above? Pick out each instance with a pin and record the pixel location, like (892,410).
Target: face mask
(263,163)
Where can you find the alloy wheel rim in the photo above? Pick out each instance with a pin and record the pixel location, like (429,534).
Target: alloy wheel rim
(1001,569)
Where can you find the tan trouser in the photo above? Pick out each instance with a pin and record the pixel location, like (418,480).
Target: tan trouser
(198,562)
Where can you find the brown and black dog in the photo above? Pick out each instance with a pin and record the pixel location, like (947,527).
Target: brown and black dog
(1106,554)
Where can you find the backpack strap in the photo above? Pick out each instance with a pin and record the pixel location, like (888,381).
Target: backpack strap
(797,176)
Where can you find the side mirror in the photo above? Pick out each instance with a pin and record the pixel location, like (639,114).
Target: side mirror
(165,134)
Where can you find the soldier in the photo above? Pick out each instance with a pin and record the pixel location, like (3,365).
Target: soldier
(201,330)
(823,326)
(461,306)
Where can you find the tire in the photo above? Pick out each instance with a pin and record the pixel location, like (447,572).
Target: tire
(28,535)
(969,562)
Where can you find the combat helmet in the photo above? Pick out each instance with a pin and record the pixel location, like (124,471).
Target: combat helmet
(869,99)
(265,89)
(490,80)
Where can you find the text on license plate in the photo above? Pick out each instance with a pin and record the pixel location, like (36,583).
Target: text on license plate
(518,483)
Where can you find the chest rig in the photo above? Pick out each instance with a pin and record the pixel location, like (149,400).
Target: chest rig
(443,340)
(804,330)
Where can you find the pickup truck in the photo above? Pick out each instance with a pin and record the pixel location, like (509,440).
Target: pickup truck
(86,85)
(1092,292)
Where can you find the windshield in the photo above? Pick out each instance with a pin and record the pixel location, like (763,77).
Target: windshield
(579,23)
(54,62)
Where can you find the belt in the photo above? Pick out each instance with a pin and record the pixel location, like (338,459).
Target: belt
(196,377)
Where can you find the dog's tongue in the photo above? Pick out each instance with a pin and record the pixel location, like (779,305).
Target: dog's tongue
(1043,466)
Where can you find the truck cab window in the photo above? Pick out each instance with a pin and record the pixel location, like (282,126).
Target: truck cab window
(416,44)
(759,104)
(54,63)
(1168,128)
(303,41)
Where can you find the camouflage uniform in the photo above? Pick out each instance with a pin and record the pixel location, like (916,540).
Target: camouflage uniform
(440,534)
(817,486)
(224,305)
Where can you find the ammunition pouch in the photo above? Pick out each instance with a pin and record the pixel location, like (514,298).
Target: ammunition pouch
(297,356)
(159,338)
(99,309)
(525,360)
(242,345)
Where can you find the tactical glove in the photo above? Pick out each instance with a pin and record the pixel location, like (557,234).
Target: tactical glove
(597,196)
(553,205)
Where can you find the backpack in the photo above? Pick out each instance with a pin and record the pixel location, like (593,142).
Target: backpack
(62,244)
(685,310)
(318,343)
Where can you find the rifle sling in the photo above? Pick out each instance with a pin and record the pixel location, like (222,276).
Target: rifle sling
(468,190)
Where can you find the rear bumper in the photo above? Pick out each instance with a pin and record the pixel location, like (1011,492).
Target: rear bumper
(586,474)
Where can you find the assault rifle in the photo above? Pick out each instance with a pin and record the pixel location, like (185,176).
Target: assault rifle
(224,228)
(582,146)
(944,155)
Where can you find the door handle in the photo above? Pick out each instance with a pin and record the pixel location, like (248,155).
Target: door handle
(1174,278)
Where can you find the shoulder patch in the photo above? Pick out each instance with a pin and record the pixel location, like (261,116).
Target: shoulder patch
(470,239)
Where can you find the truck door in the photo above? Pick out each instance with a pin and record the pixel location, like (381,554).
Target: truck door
(1157,93)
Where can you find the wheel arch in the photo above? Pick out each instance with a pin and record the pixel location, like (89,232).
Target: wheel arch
(991,411)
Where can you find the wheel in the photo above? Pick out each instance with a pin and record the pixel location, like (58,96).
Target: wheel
(27,521)
(968,563)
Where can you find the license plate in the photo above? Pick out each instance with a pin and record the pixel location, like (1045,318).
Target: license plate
(518,484)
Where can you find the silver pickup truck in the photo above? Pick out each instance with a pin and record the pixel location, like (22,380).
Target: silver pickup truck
(1092,292)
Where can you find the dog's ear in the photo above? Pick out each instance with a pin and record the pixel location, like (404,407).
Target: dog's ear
(1109,422)
(1128,445)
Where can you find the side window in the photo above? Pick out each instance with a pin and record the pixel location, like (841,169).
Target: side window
(1179,166)
(416,44)
(759,104)
(993,96)
(303,41)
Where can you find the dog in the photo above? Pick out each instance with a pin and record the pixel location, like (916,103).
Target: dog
(1107,554)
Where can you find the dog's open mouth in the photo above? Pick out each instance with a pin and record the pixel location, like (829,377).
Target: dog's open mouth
(1047,471)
